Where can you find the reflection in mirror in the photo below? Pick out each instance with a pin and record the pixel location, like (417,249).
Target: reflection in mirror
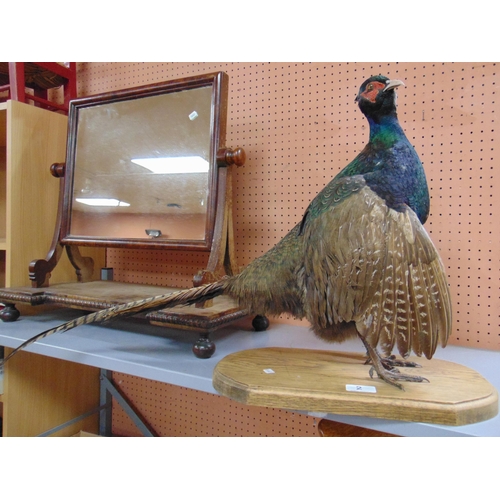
(141,167)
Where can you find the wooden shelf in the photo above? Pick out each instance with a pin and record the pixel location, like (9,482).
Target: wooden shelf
(3,177)
(28,196)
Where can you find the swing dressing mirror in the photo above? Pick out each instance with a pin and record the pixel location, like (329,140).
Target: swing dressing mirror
(141,168)
(145,168)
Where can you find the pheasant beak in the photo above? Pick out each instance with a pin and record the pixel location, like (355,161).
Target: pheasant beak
(392,84)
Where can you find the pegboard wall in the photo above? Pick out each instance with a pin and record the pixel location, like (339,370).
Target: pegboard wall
(299,125)
(174,411)
(181,412)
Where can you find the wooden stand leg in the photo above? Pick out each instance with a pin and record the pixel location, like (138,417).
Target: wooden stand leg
(9,313)
(204,348)
(260,323)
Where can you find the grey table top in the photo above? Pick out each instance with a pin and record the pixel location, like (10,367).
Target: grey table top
(137,348)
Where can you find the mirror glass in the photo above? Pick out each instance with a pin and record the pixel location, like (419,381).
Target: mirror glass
(141,168)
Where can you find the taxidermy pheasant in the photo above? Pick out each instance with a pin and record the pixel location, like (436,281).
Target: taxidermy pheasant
(359,263)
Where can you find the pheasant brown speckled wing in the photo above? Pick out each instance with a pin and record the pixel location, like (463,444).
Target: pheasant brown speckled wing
(371,266)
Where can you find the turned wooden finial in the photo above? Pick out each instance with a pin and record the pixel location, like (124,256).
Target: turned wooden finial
(226,157)
(58,169)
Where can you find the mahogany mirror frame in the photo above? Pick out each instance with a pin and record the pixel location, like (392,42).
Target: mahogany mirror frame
(219,84)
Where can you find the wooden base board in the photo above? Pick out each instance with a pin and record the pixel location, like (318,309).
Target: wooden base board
(95,295)
(312,380)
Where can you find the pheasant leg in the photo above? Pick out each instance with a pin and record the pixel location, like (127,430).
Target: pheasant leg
(391,362)
(386,370)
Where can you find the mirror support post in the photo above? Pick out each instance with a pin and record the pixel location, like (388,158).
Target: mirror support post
(40,269)
(222,260)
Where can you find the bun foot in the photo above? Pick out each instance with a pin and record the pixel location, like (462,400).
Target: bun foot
(260,323)
(9,313)
(204,347)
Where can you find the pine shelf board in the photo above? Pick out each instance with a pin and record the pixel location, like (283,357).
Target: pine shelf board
(314,380)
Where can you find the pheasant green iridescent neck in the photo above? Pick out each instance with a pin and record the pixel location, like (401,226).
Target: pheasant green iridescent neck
(385,133)
(385,130)
(389,165)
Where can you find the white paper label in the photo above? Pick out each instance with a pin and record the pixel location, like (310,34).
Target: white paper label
(268,370)
(360,388)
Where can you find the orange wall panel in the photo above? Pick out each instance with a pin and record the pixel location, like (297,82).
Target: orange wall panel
(299,125)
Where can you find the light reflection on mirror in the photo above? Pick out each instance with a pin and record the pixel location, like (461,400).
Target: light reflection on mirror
(143,164)
(102,202)
(179,165)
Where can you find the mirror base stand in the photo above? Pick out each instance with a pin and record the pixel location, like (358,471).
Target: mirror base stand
(98,295)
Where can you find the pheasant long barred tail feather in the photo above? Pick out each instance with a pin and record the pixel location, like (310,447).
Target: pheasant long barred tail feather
(183,297)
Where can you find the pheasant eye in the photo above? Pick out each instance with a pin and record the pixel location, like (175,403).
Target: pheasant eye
(370,87)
